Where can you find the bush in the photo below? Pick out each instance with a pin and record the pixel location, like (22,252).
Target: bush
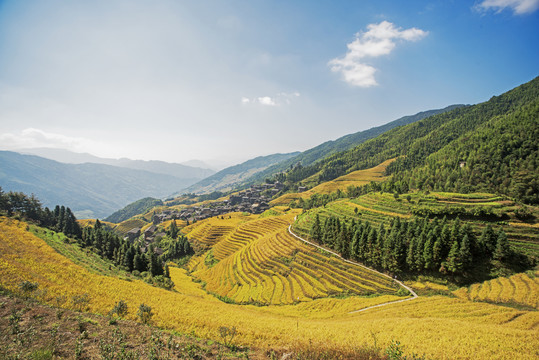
(145,313)
(120,309)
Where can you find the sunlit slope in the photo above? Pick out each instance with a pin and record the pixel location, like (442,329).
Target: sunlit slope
(439,327)
(519,289)
(355,178)
(381,207)
(260,262)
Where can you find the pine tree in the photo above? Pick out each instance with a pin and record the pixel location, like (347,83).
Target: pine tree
(356,245)
(465,254)
(437,254)
(316,230)
(453,262)
(428,251)
(173,230)
(410,256)
(139,263)
(502,251)
(488,240)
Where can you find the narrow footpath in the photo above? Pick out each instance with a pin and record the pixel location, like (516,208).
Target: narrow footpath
(412,292)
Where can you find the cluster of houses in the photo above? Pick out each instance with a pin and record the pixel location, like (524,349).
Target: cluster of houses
(149,237)
(250,200)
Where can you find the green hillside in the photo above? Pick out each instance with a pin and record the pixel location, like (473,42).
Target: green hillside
(138,207)
(346,142)
(470,134)
(234,176)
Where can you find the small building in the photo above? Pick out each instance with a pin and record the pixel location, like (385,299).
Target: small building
(133,234)
(302,188)
(149,231)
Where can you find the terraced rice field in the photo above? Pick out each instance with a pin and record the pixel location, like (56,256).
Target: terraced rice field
(260,262)
(439,327)
(356,178)
(519,289)
(381,207)
(123,227)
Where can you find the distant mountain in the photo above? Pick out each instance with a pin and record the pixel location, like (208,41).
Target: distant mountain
(199,164)
(346,142)
(90,190)
(181,171)
(233,176)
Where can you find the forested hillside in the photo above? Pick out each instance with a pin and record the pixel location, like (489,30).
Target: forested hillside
(236,175)
(468,138)
(346,142)
(138,207)
(501,155)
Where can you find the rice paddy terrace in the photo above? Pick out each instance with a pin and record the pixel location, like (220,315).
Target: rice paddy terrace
(355,178)
(521,290)
(477,209)
(439,327)
(259,262)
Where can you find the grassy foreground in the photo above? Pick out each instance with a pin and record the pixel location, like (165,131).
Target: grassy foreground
(437,326)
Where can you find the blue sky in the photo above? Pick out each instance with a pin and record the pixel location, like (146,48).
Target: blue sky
(231,80)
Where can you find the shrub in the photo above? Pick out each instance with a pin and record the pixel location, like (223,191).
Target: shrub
(120,309)
(145,313)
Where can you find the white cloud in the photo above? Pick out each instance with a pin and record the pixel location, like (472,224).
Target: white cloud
(380,39)
(35,138)
(519,7)
(266,100)
(277,100)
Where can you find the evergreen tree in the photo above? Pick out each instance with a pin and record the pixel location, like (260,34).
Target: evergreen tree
(316,230)
(428,251)
(167,271)
(453,263)
(502,251)
(139,263)
(488,240)
(465,253)
(410,256)
(173,230)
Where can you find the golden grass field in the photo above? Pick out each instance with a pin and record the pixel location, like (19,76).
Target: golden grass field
(439,327)
(356,178)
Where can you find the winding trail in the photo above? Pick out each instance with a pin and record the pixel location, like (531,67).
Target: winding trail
(412,292)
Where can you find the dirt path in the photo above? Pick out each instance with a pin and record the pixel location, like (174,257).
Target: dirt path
(412,292)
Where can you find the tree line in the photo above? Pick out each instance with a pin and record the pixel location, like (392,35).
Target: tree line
(99,239)
(416,246)
(61,219)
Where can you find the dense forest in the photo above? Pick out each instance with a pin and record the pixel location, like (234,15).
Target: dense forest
(419,246)
(491,147)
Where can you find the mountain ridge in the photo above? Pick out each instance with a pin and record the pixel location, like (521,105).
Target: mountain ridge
(90,190)
(179,170)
